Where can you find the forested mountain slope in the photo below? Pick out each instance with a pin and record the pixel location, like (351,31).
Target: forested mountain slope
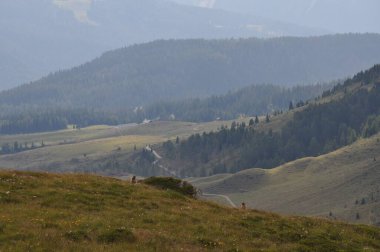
(248,101)
(165,70)
(38,37)
(343,115)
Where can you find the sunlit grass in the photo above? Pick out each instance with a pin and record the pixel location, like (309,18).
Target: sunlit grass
(78,212)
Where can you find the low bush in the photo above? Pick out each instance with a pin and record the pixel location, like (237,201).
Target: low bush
(117,235)
(174,184)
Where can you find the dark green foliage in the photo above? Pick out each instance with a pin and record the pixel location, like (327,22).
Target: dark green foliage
(209,244)
(170,149)
(14,121)
(318,129)
(117,235)
(76,236)
(291,105)
(251,122)
(147,155)
(267,119)
(7,148)
(174,184)
(366,77)
(249,101)
(141,74)
(162,71)
(372,126)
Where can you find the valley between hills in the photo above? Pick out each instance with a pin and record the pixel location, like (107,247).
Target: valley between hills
(189,125)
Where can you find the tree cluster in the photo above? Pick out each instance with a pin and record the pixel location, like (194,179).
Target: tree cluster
(318,129)
(249,101)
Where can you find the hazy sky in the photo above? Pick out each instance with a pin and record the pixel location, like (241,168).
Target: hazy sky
(78,7)
(41,36)
(332,15)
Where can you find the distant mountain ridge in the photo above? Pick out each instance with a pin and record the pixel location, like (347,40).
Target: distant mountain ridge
(175,69)
(44,36)
(336,16)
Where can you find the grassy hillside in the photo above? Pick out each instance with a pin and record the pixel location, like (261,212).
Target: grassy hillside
(41,212)
(98,148)
(175,69)
(338,185)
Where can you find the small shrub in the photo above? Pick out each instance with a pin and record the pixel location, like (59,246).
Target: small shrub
(174,184)
(77,236)
(117,235)
(49,225)
(208,243)
(2,227)
(8,199)
(148,221)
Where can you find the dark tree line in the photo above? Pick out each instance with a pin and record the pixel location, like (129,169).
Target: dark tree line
(249,101)
(41,120)
(318,129)
(15,147)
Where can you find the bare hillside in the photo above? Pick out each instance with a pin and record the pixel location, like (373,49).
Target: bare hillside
(340,185)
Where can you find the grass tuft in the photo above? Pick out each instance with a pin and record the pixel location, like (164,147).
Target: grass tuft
(117,235)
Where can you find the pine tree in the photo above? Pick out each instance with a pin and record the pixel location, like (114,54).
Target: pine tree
(291,106)
(251,122)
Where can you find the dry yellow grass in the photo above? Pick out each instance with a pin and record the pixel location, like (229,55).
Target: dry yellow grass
(342,184)
(68,149)
(47,212)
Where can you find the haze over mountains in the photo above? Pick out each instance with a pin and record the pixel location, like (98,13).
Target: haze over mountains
(265,104)
(42,36)
(337,16)
(171,70)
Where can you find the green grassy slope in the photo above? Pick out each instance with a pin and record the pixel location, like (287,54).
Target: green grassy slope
(46,212)
(338,185)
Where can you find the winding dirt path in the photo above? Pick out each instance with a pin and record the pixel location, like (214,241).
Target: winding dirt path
(158,158)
